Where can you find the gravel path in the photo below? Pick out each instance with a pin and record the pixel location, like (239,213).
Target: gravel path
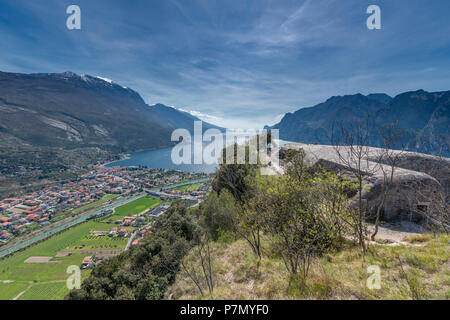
(396,232)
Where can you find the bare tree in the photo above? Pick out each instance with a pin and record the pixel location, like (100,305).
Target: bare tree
(351,143)
(201,271)
(391,137)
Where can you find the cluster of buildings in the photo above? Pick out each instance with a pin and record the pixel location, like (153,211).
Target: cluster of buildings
(130,221)
(114,232)
(141,234)
(18,213)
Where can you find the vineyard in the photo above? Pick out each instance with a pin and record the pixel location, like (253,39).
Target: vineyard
(46,291)
(35,276)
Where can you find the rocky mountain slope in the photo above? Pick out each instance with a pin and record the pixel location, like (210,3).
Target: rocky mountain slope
(425,115)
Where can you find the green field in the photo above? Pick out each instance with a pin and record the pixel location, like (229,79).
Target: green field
(90,242)
(39,276)
(48,280)
(46,291)
(133,208)
(189,187)
(10,290)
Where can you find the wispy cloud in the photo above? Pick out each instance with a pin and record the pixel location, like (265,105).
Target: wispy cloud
(237,62)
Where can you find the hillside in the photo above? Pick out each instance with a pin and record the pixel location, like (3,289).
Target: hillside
(51,124)
(296,236)
(414,269)
(68,110)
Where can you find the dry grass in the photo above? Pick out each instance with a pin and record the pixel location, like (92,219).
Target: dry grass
(421,238)
(407,272)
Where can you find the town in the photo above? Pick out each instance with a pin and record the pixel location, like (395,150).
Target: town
(25,214)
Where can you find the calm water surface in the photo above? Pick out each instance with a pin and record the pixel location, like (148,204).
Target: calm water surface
(161,159)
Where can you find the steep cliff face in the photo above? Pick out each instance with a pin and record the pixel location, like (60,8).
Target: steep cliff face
(425,115)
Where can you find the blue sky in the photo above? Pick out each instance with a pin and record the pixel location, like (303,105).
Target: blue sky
(236,63)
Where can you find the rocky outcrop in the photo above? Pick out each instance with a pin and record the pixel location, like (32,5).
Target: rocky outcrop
(421,182)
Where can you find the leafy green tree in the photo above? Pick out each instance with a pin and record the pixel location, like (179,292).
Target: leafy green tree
(233,176)
(219,212)
(304,213)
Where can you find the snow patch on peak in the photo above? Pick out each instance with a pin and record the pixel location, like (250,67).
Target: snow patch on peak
(104,79)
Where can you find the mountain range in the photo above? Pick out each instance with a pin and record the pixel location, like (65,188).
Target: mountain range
(67,110)
(423,114)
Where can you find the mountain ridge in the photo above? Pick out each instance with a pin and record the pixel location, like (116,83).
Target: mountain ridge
(426,114)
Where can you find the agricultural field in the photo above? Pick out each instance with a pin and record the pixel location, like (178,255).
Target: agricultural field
(10,290)
(64,214)
(137,206)
(189,187)
(133,208)
(46,280)
(91,242)
(39,271)
(46,291)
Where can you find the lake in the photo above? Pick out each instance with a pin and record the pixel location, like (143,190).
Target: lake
(161,159)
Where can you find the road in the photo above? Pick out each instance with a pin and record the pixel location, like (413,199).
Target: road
(130,241)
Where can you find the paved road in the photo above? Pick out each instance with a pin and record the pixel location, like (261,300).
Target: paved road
(130,241)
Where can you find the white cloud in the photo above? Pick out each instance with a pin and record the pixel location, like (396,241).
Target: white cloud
(201,115)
